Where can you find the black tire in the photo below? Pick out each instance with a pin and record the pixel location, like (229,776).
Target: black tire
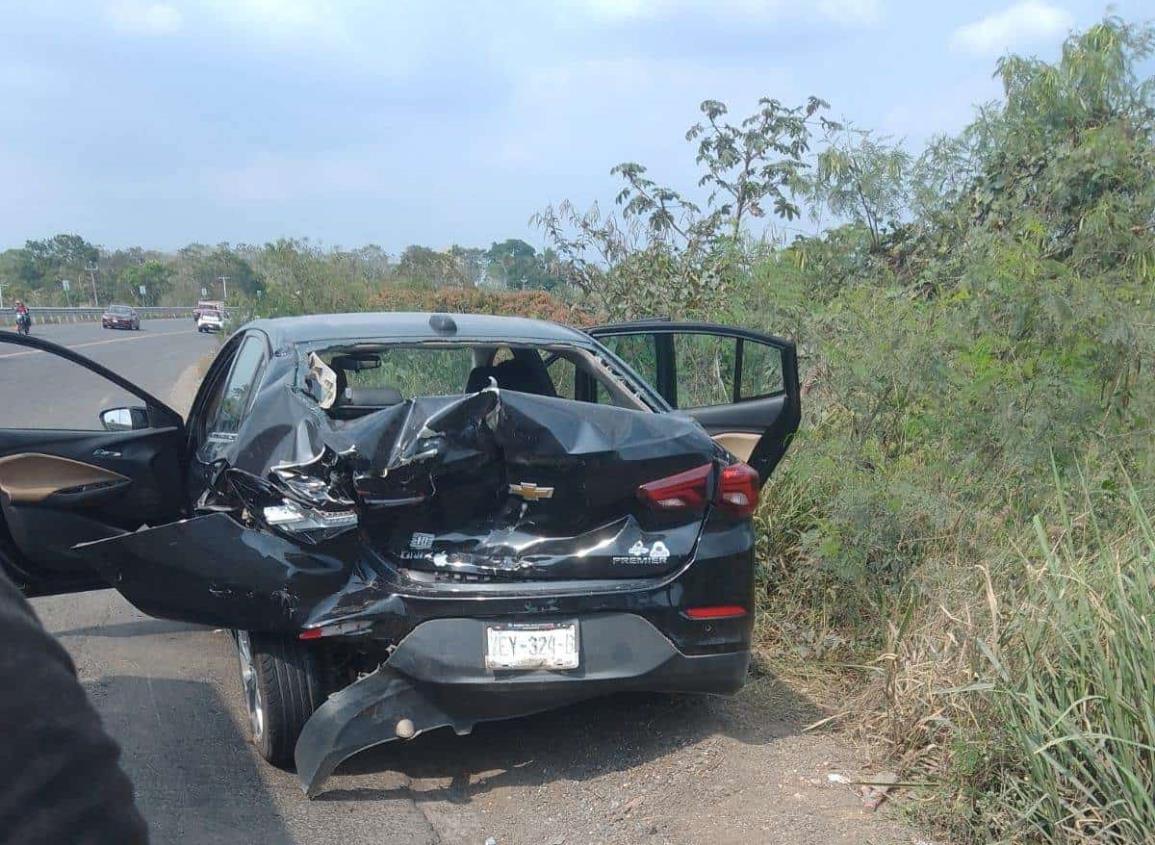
(291,681)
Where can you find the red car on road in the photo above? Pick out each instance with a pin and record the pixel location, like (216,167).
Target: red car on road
(120,317)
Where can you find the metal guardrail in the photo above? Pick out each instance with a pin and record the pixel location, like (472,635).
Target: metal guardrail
(78,315)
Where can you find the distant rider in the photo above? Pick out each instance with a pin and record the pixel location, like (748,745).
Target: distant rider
(22,314)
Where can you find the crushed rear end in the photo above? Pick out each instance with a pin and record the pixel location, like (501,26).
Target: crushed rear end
(471,558)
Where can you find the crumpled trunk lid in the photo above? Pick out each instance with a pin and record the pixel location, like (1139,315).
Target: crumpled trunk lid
(504,485)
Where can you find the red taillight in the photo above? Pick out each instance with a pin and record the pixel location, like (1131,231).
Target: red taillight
(738,490)
(719,611)
(683,491)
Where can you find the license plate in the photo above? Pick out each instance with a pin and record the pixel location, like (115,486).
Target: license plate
(547,646)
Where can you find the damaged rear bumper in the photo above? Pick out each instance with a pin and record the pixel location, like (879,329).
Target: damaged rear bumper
(436,677)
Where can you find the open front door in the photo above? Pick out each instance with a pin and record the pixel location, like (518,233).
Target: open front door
(84,455)
(742,386)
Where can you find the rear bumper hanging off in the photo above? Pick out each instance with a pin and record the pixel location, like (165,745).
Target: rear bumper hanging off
(437,678)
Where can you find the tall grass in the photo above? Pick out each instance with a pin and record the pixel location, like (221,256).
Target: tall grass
(1075,698)
(1023,691)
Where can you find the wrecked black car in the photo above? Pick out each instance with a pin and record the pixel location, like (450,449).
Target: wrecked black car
(412,521)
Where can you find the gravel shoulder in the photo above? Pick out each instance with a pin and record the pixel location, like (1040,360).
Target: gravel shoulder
(653,768)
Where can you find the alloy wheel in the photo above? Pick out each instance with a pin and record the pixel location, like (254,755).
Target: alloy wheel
(252,690)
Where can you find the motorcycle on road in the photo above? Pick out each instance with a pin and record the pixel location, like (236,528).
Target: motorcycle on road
(24,323)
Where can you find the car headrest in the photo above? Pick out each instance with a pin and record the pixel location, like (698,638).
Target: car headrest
(479,378)
(511,375)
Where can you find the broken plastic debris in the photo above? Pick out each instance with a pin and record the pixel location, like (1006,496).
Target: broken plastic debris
(294,518)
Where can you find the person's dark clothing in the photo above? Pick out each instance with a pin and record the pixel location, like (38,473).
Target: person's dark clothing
(60,782)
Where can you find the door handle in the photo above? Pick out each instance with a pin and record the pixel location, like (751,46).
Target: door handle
(106,453)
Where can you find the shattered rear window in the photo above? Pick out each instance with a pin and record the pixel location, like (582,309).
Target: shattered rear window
(371,375)
(413,371)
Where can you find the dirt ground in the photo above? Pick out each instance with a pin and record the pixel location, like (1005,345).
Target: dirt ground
(652,769)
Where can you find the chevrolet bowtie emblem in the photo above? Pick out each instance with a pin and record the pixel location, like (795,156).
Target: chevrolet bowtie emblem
(530,491)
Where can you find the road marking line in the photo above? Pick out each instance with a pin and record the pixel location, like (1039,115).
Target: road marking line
(96,343)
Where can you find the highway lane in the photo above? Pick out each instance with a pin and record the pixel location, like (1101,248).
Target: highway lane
(170,693)
(41,390)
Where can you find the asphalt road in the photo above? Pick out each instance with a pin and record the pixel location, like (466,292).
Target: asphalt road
(170,693)
(41,390)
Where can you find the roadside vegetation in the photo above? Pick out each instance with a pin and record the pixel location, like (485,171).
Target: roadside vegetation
(957,557)
(286,276)
(957,554)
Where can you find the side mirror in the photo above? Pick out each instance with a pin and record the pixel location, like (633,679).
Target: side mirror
(124,419)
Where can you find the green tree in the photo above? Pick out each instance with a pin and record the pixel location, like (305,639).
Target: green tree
(65,256)
(422,264)
(861,179)
(755,162)
(514,264)
(666,254)
(18,274)
(299,278)
(471,264)
(748,167)
(154,277)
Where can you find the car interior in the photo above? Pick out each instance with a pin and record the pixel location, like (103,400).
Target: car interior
(371,378)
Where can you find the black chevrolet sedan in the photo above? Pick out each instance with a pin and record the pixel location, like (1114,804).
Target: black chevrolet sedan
(413,521)
(120,317)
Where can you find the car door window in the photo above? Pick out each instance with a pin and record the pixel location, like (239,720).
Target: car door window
(761,371)
(573,382)
(232,403)
(701,366)
(741,385)
(712,369)
(40,390)
(705,366)
(563,374)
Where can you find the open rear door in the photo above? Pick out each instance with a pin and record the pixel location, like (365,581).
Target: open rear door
(742,386)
